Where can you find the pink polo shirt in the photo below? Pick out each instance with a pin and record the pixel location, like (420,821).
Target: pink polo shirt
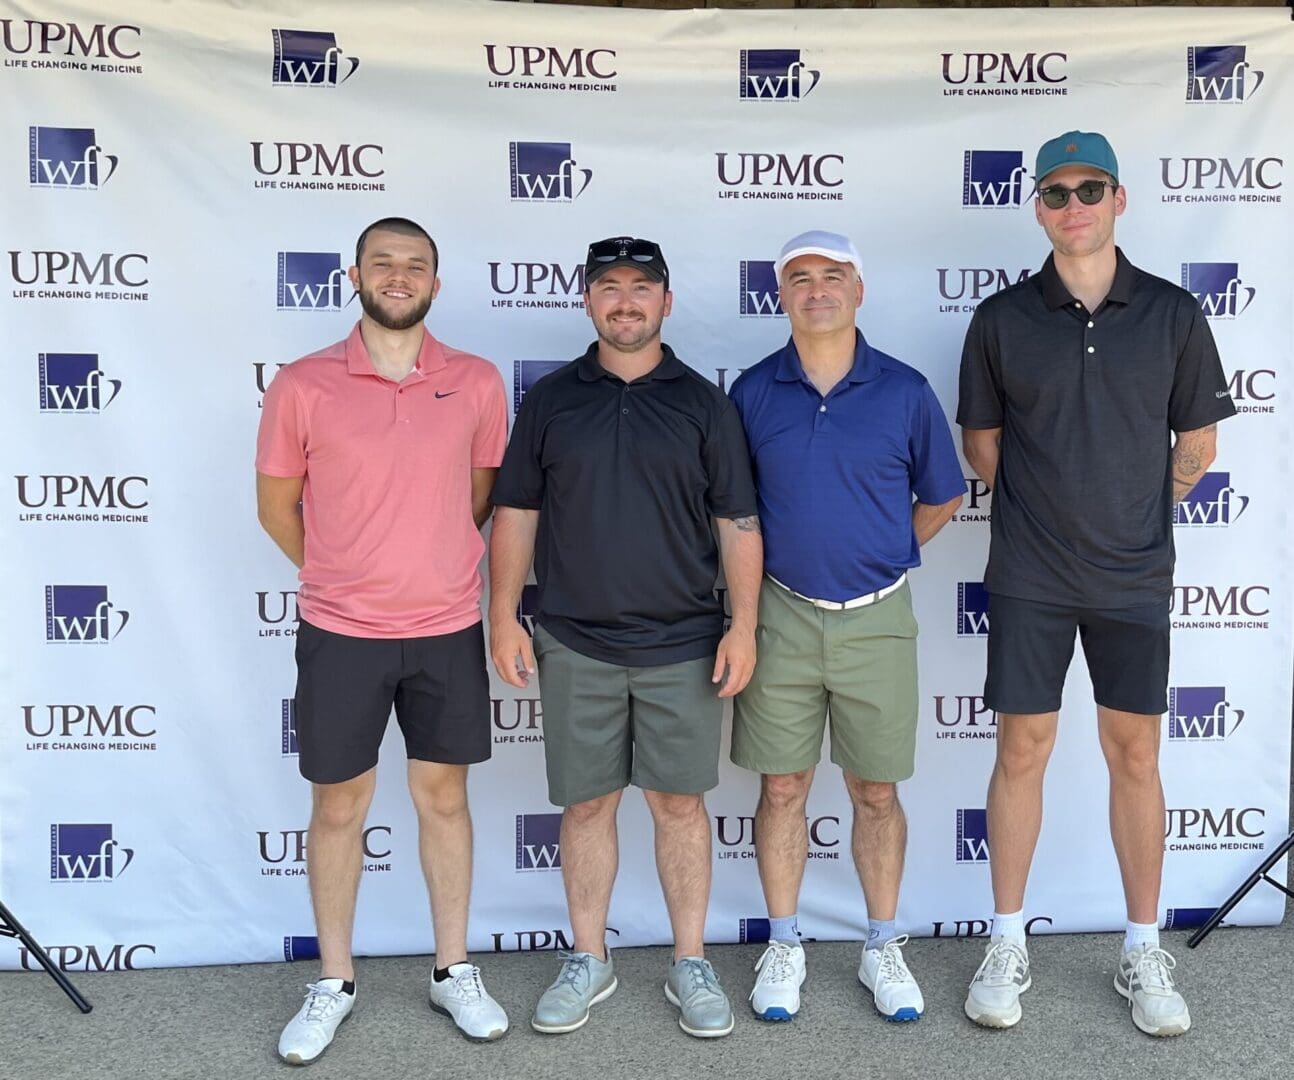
(391,550)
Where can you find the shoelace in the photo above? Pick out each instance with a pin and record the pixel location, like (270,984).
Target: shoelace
(467,984)
(702,976)
(1002,963)
(776,964)
(575,968)
(892,966)
(1153,970)
(320,1001)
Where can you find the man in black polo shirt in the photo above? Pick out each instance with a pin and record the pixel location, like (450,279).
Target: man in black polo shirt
(1090,395)
(617,464)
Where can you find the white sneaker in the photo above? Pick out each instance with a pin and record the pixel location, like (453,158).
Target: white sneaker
(1145,979)
(777,988)
(994,998)
(894,990)
(463,998)
(308,1034)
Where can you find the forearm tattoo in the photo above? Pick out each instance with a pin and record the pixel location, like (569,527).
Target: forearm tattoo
(747,524)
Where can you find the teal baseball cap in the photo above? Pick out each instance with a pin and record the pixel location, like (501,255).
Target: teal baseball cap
(1076,148)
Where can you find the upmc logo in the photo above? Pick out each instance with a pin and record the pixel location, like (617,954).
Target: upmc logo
(959,928)
(977,282)
(993,178)
(545,172)
(780,171)
(972,836)
(100,41)
(735,834)
(89,957)
(61,491)
(86,853)
(73,382)
(546,285)
(310,281)
(81,614)
(1220,73)
(76,268)
(972,609)
(1213,501)
(525,373)
(1221,174)
(72,722)
(539,842)
(595,69)
(67,158)
(760,294)
(982,68)
(1201,823)
(316,159)
(309,58)
(1201,713)
(1218,288)
(775,75)
(1205,601)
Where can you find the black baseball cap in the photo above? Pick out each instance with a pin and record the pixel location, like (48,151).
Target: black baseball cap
(645,255)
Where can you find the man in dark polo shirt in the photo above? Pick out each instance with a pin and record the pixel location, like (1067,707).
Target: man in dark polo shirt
(617,464)
(855,469)
(1090,395)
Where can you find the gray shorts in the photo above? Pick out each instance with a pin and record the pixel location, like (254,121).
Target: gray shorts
(607,725)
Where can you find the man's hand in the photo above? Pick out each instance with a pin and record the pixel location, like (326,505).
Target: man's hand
(512,652)
(736,655)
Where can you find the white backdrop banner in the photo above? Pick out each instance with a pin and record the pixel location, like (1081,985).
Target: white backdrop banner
(184,184)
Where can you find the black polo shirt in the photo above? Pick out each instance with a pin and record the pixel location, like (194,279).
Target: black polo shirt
(626,477)
(1087,402)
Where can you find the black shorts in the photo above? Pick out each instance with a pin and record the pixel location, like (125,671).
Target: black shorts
(347,685)
(1030,645)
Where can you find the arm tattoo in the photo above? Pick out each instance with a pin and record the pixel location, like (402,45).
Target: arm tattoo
(1186,455)
(747,524)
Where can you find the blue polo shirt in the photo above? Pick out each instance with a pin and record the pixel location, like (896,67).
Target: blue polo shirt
(836,475)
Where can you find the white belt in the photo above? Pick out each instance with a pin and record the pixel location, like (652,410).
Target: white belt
(845,605)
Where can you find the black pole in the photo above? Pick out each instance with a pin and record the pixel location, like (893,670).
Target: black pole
(1258,875)
(11,927)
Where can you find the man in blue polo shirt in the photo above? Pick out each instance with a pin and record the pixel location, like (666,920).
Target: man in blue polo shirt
(855,469)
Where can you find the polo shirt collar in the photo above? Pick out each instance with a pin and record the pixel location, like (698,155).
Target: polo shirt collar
(431,357)
(865,366)
(1055,295)
(670,366)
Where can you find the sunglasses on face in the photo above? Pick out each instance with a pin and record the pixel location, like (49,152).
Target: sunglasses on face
(605,251)
(1089,192)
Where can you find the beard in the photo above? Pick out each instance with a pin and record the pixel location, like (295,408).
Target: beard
(627,339)
(371,302)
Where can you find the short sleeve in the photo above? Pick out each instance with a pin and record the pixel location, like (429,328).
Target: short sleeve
(1200,395)
(936,471)
(520,482)
(980,400)
(492,425)
(731,489)
(282,436)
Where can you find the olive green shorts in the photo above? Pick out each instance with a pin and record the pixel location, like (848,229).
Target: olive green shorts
(857,667)
(606,725)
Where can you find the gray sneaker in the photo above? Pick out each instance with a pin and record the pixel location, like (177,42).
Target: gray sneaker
(583,981)
(693,986)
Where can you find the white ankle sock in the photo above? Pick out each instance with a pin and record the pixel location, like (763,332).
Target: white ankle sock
(1141,934)
(1010,927)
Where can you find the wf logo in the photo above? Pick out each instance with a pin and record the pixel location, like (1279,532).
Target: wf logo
(545,172)
(288,717)
(525,373)
(310,281)
(81,614)
(1218,288)
(1213,501)
(67,158)
(1220,73)
(760,294)
(72,382)
(1188,918)
(1201,712)
(86,853)
(751,931)
(993,178)
(539,842)
(309,58)
(775,75)
(972,609)
(301,948)
(972,836)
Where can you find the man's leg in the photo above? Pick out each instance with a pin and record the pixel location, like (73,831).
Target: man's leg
(445,847)
(590,860)
(782,839)
(879,841)
(1130,742)
(1024,744)
(683,862)
(334,856)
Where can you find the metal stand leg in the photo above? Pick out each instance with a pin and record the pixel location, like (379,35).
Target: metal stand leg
(11,927)
(1258,875)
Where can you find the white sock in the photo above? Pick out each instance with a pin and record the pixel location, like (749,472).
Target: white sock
(1141,934)
(1009,927)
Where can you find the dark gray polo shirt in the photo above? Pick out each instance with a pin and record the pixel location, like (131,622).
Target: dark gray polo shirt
(1087,402)
(626,477)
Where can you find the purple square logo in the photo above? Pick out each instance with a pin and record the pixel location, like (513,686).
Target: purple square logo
(1201,713)
(972,836)
(539,841)
(994,178)
(525,373)
(972,609)
(310,281)
(775,75)
(309,58)
(1220,73)
(67,158)
(545,172)
(86,853)
(81,614)
(760,294)
(1212,502)
(72,382)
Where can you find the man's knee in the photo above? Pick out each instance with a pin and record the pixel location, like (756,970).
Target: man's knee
(870,797)
(785,792)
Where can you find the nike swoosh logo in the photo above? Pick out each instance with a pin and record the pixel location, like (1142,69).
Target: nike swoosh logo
(451,393)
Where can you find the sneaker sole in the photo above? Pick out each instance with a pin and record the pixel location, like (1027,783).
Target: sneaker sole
(906,1015)
(699,1033)
(997,1020)
(563,1029)
(1178,1026)
(777,1013)
(297,1059)
(493,1036)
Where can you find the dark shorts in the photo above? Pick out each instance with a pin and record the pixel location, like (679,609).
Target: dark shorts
(1030,645)
(346,687)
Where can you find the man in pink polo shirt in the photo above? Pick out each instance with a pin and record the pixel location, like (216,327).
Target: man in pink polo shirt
(374,465)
